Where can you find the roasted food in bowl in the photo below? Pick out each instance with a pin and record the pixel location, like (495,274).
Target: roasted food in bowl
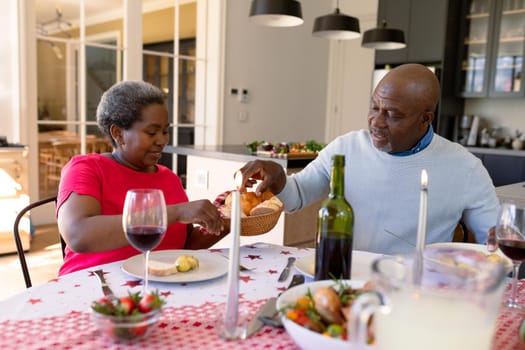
(313,314)
(127,318)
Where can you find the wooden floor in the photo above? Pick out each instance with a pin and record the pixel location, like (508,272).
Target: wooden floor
(43,260)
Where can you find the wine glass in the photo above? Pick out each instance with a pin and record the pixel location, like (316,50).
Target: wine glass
(509,235)
(144,220)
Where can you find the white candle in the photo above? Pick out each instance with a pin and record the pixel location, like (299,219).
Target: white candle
(422,224)
(421,228)
(232,304)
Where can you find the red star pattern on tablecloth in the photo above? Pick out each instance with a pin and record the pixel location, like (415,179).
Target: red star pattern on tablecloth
(281,289)
(133,283)
(34,301)
(254,257)
(165,293)
(92,273)
(187,327)
(246,279)
(271,272)
(285,252)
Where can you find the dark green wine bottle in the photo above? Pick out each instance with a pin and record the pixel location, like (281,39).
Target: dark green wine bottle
(335,229)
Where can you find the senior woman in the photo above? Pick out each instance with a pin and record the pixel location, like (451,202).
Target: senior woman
(93,187)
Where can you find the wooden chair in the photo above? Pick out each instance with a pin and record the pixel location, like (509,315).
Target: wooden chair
(98,145)
(61,153)
(463,234)
(18,241)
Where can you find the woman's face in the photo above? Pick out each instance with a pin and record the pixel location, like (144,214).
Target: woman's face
(141,146)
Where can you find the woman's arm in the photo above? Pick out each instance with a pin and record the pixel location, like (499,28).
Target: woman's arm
(196,239)
(86,230)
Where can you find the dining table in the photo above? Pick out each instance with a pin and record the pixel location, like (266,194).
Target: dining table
(56,314)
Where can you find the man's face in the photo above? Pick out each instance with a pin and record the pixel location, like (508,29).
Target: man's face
(395,121)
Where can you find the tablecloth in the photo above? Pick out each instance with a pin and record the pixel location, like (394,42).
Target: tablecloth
(55,315)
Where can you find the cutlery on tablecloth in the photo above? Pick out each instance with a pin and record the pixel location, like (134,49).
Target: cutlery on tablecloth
(267,312)
(103,283)
(286,271)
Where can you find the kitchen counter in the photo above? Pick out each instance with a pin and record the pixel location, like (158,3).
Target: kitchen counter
(514,192)
(497,151)
(238,153)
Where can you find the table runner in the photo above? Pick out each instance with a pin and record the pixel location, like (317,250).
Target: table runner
(186,327)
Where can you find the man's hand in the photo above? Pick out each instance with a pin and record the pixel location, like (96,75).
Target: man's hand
(271,173)
(492,243)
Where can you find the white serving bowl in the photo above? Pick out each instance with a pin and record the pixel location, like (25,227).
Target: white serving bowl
(305,338)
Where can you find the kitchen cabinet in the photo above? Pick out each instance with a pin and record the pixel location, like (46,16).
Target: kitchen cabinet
(492,48)
(504,168)
(422,21)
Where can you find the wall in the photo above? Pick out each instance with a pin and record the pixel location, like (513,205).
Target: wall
(9,98)
(508,113)
(285,71)
(299,87)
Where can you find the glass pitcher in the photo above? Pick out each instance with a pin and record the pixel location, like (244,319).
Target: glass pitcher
(454,307)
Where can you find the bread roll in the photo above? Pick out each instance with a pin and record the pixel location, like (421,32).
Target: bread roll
(250,201)
(267,207)
(160,268)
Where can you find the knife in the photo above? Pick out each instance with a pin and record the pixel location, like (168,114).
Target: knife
(286,271)
(105,287)
(268,310)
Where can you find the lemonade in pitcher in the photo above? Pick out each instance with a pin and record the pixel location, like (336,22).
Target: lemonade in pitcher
(454,307)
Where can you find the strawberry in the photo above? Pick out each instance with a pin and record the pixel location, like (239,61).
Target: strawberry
(150,302)
(126,305)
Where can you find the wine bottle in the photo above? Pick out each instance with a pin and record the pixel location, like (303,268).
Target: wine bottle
(335,229)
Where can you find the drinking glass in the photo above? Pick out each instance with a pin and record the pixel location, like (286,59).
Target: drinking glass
(509,235)
(144,220)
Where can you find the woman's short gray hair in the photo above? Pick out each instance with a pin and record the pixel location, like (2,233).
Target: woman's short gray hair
(122,104)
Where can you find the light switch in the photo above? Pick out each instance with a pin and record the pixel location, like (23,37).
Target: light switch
(201,179)
(243,116)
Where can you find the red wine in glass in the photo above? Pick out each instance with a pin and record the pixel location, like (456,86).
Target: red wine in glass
(144,220)
(513,249)
(510,235)
(144,238)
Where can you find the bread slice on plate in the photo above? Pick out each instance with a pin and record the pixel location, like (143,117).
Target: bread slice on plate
(160,268)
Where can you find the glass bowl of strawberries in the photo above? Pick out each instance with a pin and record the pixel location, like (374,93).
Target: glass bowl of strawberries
(127,318)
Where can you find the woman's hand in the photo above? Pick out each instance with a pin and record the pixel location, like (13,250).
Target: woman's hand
(201,212)
(271,173)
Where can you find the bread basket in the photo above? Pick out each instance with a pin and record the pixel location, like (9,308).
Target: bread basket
(251,225)
(257,224)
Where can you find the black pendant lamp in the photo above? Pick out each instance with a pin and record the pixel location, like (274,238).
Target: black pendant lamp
(276,13)
(336,26)
(384,38)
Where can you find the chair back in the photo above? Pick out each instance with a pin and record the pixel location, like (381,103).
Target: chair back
(18,241)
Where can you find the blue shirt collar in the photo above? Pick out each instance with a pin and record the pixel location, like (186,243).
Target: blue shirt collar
(421,145)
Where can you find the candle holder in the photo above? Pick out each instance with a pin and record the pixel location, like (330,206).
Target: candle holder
(231,328)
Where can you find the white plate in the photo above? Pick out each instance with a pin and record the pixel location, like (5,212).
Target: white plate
(211,265)
(361,264)
(478,247)
(305,338)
